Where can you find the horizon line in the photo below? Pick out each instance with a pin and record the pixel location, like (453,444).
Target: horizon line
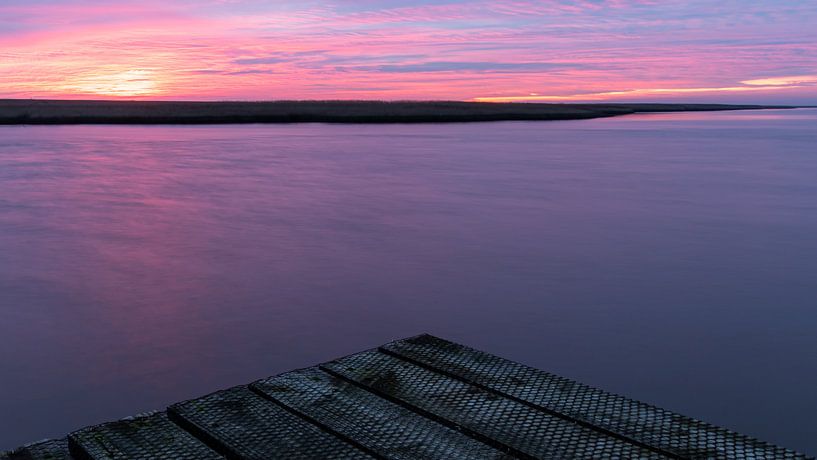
(486,100)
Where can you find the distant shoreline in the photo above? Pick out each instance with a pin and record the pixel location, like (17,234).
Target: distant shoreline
(56,112)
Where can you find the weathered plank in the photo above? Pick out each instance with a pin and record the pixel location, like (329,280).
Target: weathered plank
(150,437)
(524,430)
(422,397)
(52,449)
(676,434)
(386,428)
(241,424)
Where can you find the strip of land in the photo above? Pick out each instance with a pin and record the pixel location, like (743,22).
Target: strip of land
(19,111)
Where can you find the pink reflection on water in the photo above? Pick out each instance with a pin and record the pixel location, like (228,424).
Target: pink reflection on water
(125,246)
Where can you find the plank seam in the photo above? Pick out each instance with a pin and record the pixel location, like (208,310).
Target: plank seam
(316,423)
(201,434)
(436,418)
(552,412)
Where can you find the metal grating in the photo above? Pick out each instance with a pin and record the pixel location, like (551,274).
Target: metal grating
(676,434)
(149,437)
(241,424)
(383,427)
(526,431)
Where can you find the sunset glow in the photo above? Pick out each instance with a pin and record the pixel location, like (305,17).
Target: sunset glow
(511,50)
(128,83)
(634,93)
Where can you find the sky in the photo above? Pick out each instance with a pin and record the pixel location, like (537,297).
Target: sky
(502,50)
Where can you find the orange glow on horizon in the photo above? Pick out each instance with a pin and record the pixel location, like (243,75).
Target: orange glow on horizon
(782,81)
(634,92)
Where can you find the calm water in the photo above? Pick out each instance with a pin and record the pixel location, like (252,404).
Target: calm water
(671,258)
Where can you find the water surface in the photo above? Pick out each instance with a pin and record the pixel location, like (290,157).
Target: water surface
(668,257)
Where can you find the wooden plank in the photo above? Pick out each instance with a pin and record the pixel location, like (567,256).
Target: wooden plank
(521,429)
(422,397)
(241,424)
(675,434)
(150,437)
(52,449)
(385,428)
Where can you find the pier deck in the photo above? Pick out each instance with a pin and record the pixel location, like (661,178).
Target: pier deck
(419,398)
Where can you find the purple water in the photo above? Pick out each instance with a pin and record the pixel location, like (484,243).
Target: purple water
(670,258)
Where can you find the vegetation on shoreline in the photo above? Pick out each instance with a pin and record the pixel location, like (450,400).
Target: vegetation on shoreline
(19,111)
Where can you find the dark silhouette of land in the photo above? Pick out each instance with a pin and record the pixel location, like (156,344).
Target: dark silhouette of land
(19,111)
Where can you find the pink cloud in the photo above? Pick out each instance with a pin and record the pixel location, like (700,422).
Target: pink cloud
(464,50)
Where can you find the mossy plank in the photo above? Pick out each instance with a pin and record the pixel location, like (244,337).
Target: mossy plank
(149,437)
(241,424)
(52,449)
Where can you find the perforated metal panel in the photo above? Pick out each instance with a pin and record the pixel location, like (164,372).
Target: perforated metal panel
(383,427)
(674,433)
(527,431)
(242,424)
(150,437)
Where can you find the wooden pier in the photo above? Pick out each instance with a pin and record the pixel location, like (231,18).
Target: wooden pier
(418,398)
